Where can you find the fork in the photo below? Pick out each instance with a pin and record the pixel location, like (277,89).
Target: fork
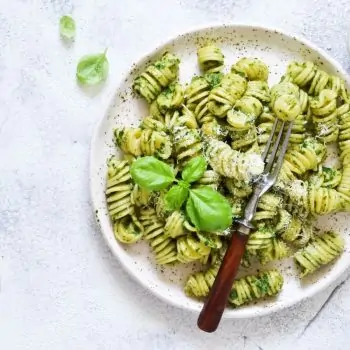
(214,306)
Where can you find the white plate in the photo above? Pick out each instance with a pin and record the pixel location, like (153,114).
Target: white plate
(276,49)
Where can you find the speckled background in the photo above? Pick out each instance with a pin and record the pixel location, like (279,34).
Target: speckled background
(60,287)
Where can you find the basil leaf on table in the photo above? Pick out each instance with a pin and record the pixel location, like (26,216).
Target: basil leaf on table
(67,27)
(194,169)
(151,173)
(92,69)
(176,196)
(208,209)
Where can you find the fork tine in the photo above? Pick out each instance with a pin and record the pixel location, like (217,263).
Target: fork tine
(269,141)
(279,162)
(272,157)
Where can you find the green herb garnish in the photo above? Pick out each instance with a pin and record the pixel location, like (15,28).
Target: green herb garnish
(93,69)
(67,27)
(263,284)
(176,196)
(194,169)
(206,208)
(152,174)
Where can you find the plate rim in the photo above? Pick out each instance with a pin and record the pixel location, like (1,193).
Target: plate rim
(315,288)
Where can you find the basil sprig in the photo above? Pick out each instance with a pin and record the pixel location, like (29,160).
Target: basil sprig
(206,208)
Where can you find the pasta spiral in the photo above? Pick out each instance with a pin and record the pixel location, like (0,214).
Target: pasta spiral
(176,225)
(259,90)
(292,231)
(267,207)
(180,118)
(238,205)
(156,77)
(344,135)
(199,284)
(197,95)
(118,189)
(260,239)
(297,232)
(264,126)
(285,101)
(211,240)
(276,251)
(338,86)
(324,200)
(233,164)
(244,139)
(344,185)
(326,177)
(250,106)
(302,158)
(308,76)
(251,68)
(298,133)
(315,200)
(319,82)
(282,221)
(304,102)
(249,288)
(128,229)
(140,196)
(321,251)
(243,116)
(161,206)
(170,98)
(324,115)
(190,248)
(238,189)
(301,74)
(214,130)
(223,97)
(209,178)
(143,142)
(244,290)
(210,58)
(152,124)
(187,144)
(163,247)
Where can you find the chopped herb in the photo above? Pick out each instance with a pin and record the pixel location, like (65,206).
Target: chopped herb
(160,65)
(233,294)
(263,284)
(213,79)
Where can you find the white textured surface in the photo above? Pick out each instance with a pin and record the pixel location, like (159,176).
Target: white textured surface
(60,287)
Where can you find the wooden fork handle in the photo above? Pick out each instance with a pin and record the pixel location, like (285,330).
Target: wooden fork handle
(210,316)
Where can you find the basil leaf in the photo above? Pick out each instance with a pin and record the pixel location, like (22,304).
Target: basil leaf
(67,27)
(175,197)
(151,173)
(208,209)
(194,169)
(92,69)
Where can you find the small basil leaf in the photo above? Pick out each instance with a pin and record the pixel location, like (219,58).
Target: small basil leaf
(92,69)
(208,209)
(67,27)
(151,173)
(176,197)
(194,169)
